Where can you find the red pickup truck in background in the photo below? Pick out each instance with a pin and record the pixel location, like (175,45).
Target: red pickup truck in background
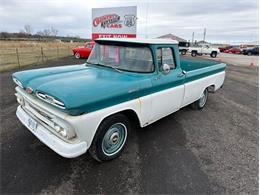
(83,51)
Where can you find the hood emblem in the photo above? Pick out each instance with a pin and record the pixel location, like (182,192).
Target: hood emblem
(29,90)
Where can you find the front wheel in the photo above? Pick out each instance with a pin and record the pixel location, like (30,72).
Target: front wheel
(110,138)
(249,53)
(200,103)
(183,52)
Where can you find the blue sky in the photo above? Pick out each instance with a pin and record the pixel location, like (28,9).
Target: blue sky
(225,20)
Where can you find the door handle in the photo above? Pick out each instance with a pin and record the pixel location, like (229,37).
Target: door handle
(183,73)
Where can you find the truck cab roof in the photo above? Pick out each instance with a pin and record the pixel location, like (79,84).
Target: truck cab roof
(138,41)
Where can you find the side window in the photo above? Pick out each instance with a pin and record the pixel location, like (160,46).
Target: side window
(165,56)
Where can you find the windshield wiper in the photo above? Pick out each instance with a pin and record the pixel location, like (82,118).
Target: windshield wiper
(92,63)
(108,66)
(115,68)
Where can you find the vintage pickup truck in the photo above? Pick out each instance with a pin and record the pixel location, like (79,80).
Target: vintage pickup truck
(92,107)
(204,49)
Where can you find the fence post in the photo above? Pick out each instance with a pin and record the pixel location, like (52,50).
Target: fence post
(57,52)
(18,60)
(68,50)
(42,53)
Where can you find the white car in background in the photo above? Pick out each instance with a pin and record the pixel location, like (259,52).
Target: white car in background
(204,49)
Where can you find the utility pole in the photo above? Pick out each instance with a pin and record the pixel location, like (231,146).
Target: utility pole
(192,39)
(204,35)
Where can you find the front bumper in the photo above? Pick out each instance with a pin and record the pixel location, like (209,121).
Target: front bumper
(67,150)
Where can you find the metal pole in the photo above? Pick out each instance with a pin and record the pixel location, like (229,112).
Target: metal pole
(18,60)
(204,35)
(42,53)
(192,40)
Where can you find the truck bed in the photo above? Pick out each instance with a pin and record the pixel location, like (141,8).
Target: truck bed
(198,68)
(189,64)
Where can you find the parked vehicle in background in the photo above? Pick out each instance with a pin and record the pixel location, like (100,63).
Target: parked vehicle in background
(83,51)
(124,83)
(251,51)
(183,47)
(223,49)
(204,50)
(234,50)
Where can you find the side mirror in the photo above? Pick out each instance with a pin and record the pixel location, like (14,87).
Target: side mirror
(166,68)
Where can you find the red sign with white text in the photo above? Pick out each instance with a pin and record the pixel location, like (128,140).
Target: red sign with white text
(115,22)
(104,35)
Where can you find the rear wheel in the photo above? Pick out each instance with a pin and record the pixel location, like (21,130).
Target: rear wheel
(194,53)
(77,55)
(200,103)
(249,53)
(110,138)
(213,54)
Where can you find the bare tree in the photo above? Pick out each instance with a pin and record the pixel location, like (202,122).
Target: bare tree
(28,29)
(46,32)
(40,33)
(54,32)
(22,31)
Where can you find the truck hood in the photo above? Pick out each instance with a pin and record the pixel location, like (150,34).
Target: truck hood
(85,88)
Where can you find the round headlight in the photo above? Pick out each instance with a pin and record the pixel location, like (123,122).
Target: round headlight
(20,100)
(63,133)
(57,128)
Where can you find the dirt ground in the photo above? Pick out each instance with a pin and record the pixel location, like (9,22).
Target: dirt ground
(214,150)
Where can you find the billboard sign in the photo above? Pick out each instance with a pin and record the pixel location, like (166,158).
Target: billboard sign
(114,22)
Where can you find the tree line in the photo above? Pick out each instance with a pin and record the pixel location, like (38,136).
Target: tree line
(28,32)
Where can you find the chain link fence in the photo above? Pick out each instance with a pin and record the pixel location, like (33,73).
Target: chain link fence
(11,58)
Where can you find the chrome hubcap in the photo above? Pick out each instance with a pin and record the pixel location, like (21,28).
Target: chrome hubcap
(114,139)
(77,55)
(203,99)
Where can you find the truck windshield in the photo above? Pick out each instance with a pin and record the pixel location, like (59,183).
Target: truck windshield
(125,58)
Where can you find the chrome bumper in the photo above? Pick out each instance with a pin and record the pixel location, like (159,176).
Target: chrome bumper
(67,150)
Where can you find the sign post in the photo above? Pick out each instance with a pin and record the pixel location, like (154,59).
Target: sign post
(114,22)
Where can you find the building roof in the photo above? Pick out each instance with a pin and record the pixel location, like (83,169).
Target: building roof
(202,42)
(140,41)
(173,37)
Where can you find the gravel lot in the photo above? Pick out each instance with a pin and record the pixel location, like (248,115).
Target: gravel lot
(210,151)
(237,59)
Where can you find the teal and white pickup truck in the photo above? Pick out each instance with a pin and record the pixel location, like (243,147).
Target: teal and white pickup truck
(92,107)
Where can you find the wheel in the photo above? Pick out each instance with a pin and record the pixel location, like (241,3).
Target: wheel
(110,138)
(213,54)
(200,103)
(249,53)
(77,55)
(193,53)
(183,52)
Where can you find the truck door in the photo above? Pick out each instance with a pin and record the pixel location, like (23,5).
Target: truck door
(169,88)
(205,49)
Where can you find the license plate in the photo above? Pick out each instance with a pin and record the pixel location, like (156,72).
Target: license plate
(32,124)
